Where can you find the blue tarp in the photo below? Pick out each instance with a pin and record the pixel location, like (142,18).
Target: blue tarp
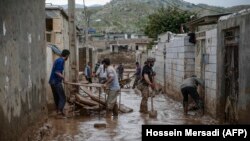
(55,49)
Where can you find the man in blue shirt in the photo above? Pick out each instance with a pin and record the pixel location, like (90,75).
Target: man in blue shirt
(56,79)
(88,73)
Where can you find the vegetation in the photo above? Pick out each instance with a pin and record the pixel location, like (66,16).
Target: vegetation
(131,15)
(166,19)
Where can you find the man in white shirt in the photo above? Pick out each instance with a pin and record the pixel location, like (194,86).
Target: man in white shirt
(113,85)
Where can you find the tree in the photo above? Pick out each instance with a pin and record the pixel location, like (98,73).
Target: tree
(166,19)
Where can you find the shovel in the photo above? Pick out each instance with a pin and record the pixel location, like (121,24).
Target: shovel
(152,113)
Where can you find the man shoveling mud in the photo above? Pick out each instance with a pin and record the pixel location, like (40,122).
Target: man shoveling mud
(114,88)
(189,87)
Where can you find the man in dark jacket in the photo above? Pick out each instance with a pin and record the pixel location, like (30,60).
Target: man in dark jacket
(137,74)
(146,82)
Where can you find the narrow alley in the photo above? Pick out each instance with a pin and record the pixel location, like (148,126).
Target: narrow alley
(84,70)
(128,125)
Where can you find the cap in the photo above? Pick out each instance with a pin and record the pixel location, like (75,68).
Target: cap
(151,59)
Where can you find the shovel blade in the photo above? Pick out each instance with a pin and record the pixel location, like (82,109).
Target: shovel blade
(152,114)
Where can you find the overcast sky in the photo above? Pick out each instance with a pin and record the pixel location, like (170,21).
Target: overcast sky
(223,3)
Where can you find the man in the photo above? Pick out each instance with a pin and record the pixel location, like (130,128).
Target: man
(88,73)
(97,65)
(101,73)
(114,88)
(55,82)
(146,82)
(120,70)
(137,74)
(189,87)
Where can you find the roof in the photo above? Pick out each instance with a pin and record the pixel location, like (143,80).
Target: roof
(239,13)
(206,20)
(51,15)
(51,8)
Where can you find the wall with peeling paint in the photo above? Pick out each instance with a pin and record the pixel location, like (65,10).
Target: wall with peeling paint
(22,66)
(241,21)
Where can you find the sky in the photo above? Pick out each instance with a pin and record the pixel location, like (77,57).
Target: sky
(222,3)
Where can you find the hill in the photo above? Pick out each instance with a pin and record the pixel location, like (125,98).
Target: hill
(131,15)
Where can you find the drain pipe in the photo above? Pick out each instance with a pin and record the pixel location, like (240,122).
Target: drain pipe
(164,73)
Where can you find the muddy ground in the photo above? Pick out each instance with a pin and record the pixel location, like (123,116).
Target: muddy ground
(128,125)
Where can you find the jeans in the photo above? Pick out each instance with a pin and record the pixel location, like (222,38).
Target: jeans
(194,94)
(59,96)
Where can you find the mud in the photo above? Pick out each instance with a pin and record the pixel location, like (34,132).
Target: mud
(128,126)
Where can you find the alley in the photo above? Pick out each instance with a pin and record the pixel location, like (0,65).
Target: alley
(128,126)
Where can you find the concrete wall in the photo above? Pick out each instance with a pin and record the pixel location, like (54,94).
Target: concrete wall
(179,63)
(210,71)
(23,66)
(241,20)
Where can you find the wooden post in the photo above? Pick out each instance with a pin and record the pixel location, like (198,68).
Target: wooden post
(73,59)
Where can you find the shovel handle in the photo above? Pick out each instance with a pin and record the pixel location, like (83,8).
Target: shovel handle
(152,105)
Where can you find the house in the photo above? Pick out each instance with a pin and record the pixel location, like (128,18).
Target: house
(57,36)
(205,29)
(23,72)
(233,77)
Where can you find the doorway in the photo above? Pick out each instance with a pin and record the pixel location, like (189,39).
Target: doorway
(231,71)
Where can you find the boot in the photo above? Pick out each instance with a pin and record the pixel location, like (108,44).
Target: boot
(144,108)
(108,113)
(185,108)
(115,110)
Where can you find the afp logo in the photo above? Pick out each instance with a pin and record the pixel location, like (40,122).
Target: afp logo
(234,133)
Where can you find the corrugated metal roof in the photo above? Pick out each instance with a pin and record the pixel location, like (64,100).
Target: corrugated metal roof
(51,14)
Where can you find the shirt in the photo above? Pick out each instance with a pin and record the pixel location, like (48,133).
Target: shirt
(87,71)
(138,71)
(120,69)
(149,71)
(192,82)
(114,85)
(102,73)
(58,66)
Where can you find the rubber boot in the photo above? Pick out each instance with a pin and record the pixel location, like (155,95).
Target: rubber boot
(144,108)
(185,108)
(115,110)
(108,113)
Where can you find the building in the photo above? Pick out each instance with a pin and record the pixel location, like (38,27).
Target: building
(23,106)
(233,78)
(57,34)
(205,29)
